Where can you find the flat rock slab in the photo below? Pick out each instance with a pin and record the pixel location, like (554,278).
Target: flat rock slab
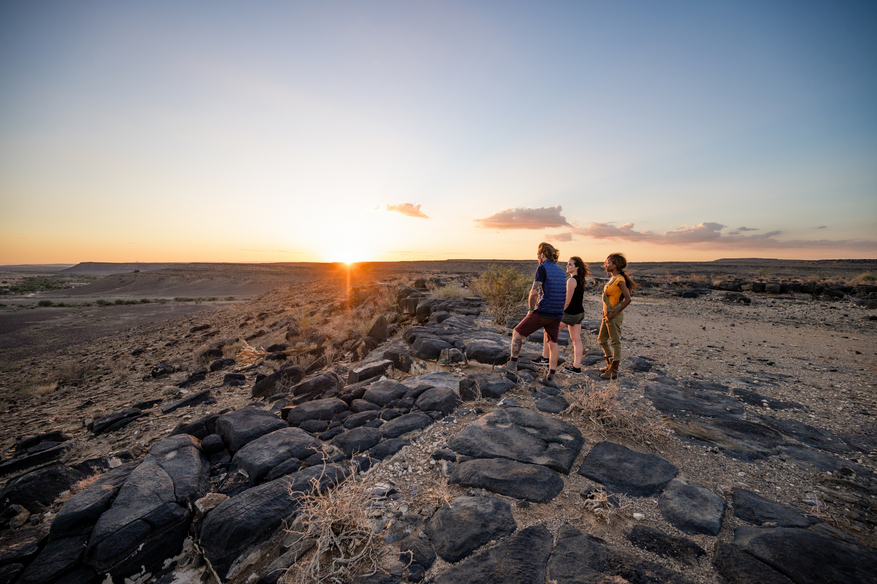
(739,439)
(251,517)
(738,567)
(808,435)
(438,399)
(484,385)
(626,471)
(519,559)
(668,546)
(754,508)
(468,523)
(523,435)
(443,379)
(262,454)
(808,557)
(357,440)
(691,508)
(580,558)
(682,402)
(384,391)
(554,404)
(815,460)
(318,409)
(531,482)
(405,424)
(245,425)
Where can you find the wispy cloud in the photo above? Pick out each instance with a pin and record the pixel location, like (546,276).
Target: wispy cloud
(566,236)
(524,218)
(409,209)
(747,229)
(710,235)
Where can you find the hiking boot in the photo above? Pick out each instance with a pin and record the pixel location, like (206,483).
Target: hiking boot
(571,369)
(548,382)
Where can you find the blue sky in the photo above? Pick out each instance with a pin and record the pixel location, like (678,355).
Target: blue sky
(296,131)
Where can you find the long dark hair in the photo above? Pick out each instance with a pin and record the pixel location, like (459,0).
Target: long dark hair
(581,271)
(621,262)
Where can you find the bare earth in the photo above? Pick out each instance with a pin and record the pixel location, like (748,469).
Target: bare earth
(815,352)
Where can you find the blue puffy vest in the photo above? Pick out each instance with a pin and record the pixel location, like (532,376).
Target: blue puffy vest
(553,290)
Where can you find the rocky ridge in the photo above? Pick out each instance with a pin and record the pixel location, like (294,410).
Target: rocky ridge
(219,458)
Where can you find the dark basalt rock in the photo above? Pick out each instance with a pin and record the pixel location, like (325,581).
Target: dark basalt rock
(383,392)
(519,559)
(756,399)
(268,385)
(467,524)
(492,350)
(691,508)
(369,371)
(220,364)
(194,378)
(626,471)
(438,399)
(811,459)
(59,556)
(20,546)
(357,440)
(522,435)
(553,405)
(115,421)
(387,448)
(484,385)
(413,550)
(320,409)
(808,435)
(739,439)
(251,517)
(279,566)
(245,425)
(428,347)
(162,370)
(200,428)
(261,455)
(357,420)
(80,513)
(404,424)
(188,401)
(234,379)
(149,519)
(754,508)
(36,490)
(808,557)
(658,542)
(681,402)
(583,558)
(531,482)
(319,385)
(738,567)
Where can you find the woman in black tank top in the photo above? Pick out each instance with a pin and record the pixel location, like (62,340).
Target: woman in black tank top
(573,313)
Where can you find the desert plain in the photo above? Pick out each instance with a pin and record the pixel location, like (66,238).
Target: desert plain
(795,341)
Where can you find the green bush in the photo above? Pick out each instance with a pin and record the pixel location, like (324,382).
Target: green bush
(866,277)
(44,303)
(102,302)
(505,290)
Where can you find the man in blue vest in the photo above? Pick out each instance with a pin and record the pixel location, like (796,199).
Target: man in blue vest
(545,303)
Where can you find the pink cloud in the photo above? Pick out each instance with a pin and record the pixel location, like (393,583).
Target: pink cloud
(408,209)
(524,218)
(709,235)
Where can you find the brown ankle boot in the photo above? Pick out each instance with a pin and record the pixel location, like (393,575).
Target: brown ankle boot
(608,365)
(611,372)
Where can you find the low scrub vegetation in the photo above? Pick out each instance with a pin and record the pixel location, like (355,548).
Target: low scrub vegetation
(451,291)
(505,290)
(601,412)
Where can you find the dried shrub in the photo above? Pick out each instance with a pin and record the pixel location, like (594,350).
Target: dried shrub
(505,290)
(600,409)
(865,277)
(597,502)
(345,540)
(451,291)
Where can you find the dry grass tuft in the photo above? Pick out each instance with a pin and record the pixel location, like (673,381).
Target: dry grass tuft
(346,543)
(599,408)
(451,291)
(84,483)
(505,290)
(597,502)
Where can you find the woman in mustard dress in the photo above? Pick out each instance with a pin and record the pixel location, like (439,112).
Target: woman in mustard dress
(616,297)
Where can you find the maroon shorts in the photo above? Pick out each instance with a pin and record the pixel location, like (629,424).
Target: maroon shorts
(535,321)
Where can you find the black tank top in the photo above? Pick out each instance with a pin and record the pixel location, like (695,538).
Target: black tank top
(575,304)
